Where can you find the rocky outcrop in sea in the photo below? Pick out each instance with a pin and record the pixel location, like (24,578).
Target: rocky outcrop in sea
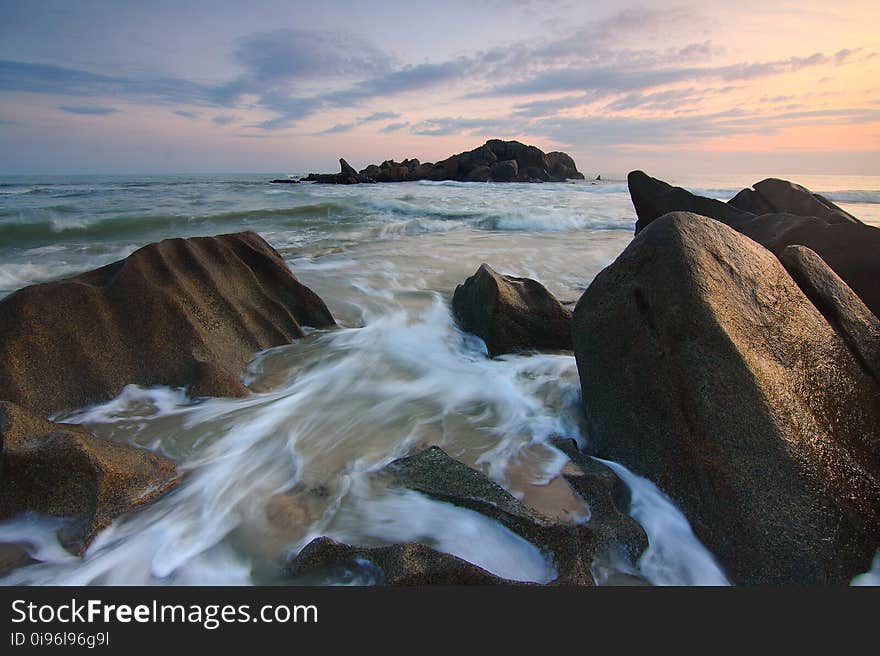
(494,161)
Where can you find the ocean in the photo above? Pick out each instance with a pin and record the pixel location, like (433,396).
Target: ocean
(270,472)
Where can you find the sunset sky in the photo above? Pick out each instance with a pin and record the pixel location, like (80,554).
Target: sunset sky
(170,86)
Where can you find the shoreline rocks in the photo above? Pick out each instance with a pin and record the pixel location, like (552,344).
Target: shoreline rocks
(63,470)
(848,246)
(511,314)
(181,312)
(705,368)
(572,548)
(494,161)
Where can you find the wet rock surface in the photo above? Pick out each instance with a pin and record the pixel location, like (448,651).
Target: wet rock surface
(571,548)
(63,470)
(511,314)
(181,312)
(848,246)
(706,369)
(326,561)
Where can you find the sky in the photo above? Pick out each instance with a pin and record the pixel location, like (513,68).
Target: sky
(284,86)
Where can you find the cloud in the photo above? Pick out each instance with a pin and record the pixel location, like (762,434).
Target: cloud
(394,127)
(372,118)
(340,128)
(438,127)
(293,74)
(291,54)
(380,116)
(43,78)
(95,110)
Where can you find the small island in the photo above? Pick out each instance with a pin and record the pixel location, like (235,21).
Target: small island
(494,161)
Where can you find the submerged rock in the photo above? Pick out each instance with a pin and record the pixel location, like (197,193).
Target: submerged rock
(849,247)
(324,560)
(494,161)
(181,312)
(63,470)
(706,369)
(571,548)
(511,314)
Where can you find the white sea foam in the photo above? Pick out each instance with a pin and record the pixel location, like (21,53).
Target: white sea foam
(15,275)
(407,516)
(674,555)
(872,576)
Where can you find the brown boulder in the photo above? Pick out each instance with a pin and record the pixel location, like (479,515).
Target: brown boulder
(652,198)
(855,323)
(181,312)
(63,470)
(562,167)
(505,171)
(511,314)
(479,174)
(849,247)
(774,196)
(706,369)
(572,549)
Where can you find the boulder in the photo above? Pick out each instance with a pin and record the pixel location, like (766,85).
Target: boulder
(284,181)
(324,560)
(848,316)
(774,196)
(573,549)
(505,171)
(64,470)
(479,174)
(511,314)
(849,247)
(181,312)
(652,198)
(562,167)
(706,369)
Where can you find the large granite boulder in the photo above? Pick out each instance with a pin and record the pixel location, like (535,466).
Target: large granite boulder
(511,314)
(844,311)
(64,470)
(181,312)
(849,247)
(572,549)
(652,198)
(774,196)
(706,369)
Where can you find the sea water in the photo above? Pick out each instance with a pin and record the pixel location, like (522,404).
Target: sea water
(268,473)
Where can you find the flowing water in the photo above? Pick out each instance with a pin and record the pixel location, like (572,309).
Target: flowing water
(268,473)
